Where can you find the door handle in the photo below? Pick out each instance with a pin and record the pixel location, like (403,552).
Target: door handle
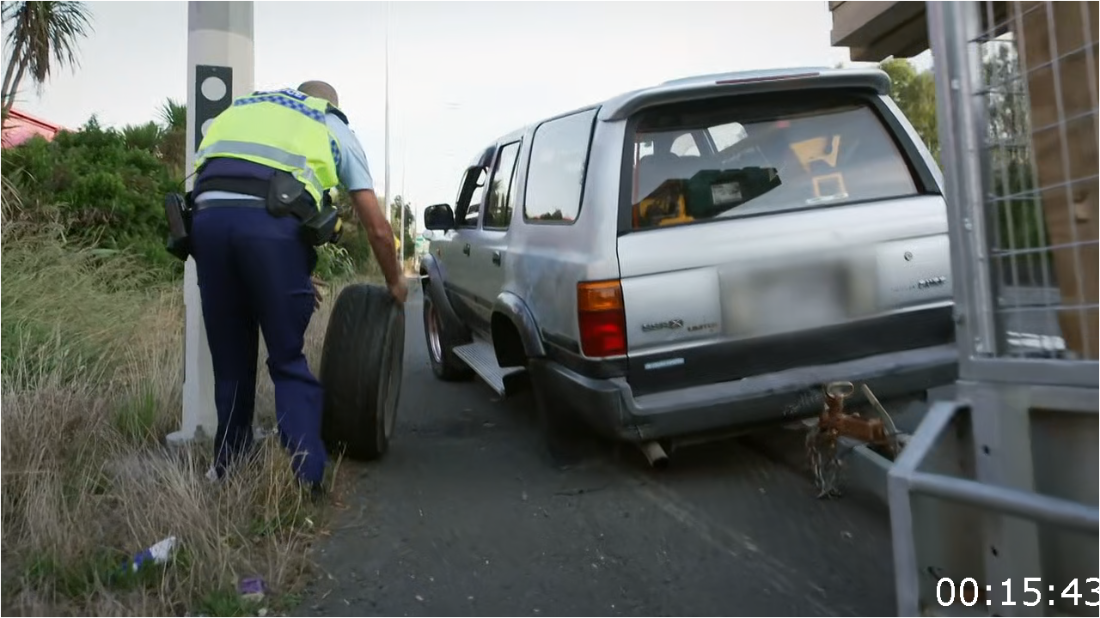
(466,249)
(496,258)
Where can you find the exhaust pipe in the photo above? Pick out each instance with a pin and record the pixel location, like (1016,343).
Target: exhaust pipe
(654,454)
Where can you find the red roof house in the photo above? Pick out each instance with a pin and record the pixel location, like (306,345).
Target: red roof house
(21,126)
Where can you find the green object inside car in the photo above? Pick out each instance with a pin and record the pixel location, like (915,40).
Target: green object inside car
(712,192)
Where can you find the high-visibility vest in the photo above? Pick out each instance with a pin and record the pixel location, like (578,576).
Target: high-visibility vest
(282,129)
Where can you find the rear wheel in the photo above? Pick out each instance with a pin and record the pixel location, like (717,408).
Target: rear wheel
(361,365)
(441,344)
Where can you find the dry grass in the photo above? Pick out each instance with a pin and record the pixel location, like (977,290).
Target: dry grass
(92,378)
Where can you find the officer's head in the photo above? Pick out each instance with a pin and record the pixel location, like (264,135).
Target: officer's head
(321,90)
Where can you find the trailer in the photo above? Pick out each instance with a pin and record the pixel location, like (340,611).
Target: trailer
(993,498)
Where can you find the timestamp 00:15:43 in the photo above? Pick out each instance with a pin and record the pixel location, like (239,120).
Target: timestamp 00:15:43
(968,592)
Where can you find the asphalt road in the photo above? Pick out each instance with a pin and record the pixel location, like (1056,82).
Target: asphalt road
(463,517)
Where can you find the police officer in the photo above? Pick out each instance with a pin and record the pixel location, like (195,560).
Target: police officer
(261,204)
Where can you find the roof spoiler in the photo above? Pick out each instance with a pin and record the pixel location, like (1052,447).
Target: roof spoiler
(745,83)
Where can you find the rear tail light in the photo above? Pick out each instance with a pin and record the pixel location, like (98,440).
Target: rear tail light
(601,318)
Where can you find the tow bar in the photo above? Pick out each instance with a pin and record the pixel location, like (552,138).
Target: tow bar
(838,432)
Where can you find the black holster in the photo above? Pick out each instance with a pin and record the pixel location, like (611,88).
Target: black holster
(178,209)
(287,196)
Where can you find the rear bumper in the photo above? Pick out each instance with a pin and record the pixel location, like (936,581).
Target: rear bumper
(609,405)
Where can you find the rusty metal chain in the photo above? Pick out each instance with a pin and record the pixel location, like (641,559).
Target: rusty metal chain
(821,451)
(826,455)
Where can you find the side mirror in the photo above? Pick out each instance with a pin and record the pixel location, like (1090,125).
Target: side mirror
(439,217)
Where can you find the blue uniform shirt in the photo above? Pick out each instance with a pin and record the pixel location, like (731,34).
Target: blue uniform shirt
(353,171)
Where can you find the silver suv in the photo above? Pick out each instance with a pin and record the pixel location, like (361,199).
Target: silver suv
(697,258)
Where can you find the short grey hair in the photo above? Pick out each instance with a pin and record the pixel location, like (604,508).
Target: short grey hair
(321,90)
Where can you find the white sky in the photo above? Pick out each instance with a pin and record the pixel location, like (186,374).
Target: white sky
(461,73)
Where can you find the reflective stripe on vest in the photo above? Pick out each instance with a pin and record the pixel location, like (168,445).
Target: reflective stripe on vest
(231,147)
(282,129)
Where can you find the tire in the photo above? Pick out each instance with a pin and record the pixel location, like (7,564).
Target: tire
(361,365)
(441,342)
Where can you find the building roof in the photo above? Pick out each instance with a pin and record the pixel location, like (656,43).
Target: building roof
(20,126)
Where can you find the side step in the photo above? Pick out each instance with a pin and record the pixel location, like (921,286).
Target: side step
(480,356)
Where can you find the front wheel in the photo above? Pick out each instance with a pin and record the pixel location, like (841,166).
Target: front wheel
(361,366)
(441,344)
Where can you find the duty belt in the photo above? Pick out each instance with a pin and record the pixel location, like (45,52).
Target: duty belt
(231,202)
(302,208)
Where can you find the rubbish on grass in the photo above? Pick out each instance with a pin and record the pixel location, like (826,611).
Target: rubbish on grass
(252,588)
(155,554)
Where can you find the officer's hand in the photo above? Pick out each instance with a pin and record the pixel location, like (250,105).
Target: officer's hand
(400,291)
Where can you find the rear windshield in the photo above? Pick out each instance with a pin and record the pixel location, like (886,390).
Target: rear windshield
(735,157)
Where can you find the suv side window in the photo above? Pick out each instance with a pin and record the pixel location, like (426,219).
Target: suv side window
(726,135)
(685,146)
(502,188)
(555,173)
(467,214)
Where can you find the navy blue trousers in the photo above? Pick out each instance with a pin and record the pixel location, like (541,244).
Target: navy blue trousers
(254,275)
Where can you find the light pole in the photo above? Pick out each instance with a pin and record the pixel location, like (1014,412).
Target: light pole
(220,62)
(404,150)
(404,198)
(388,197)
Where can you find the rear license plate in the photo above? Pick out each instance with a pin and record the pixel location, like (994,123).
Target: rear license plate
(785,300)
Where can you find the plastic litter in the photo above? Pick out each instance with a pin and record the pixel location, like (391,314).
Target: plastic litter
(252,588)
(154,554)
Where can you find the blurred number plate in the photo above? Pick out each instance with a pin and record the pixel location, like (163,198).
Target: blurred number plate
(787,301)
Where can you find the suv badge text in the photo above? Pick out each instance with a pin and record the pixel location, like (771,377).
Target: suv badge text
(931,282)
(668,324)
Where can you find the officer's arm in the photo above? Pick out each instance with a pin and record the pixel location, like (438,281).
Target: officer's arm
(354,174)
(379,233)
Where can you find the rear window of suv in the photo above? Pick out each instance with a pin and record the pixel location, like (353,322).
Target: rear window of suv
(734,157)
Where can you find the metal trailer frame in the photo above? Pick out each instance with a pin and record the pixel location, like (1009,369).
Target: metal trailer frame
(1001,483)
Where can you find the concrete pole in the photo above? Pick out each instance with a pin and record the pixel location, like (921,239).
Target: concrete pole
(220,60)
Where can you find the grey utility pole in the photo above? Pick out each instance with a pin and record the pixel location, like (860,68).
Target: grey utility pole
(220,61)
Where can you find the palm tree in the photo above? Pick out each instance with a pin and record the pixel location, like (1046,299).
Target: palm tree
(42,38)
(173,146)
(173,115)
(148,137)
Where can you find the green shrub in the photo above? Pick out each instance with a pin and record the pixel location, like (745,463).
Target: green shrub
(333,263)
(105,188)
(99,189)
(354,241)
